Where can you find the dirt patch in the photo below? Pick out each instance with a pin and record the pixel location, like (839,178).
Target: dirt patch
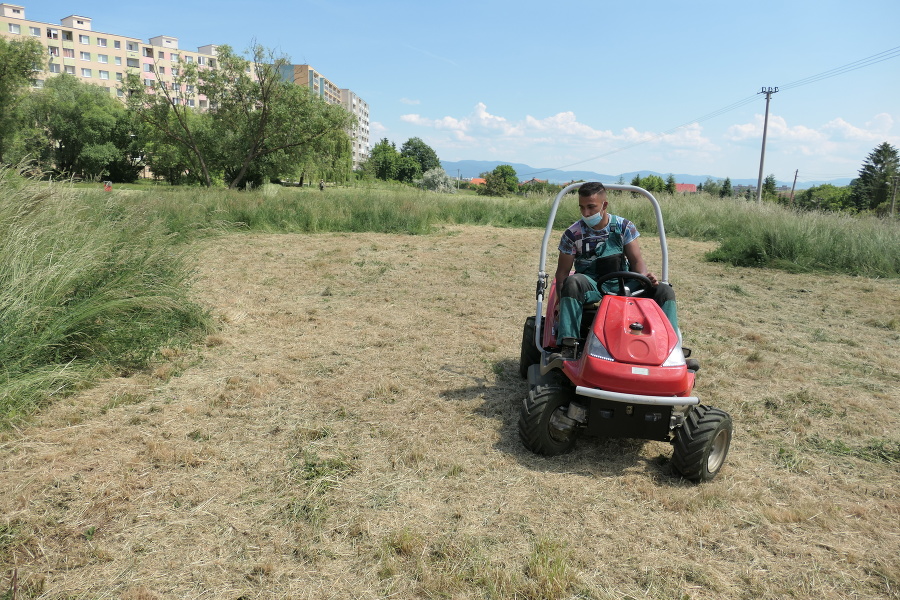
(350,432)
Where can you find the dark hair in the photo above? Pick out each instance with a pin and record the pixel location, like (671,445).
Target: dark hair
(590,188)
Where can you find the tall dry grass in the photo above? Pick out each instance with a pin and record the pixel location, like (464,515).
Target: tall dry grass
(87,284)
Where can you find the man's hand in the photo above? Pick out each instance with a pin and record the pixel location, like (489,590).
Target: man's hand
(652,278)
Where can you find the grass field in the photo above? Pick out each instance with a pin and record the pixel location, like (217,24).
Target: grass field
(349,431)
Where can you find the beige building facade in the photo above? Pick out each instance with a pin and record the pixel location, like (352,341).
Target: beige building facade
(103,59)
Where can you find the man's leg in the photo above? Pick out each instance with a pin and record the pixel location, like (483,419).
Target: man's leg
(576,290)
(665,297)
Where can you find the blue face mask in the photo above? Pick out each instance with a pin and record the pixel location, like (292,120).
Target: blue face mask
(593,220)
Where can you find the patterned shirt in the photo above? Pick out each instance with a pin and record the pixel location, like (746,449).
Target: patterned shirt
(580,239)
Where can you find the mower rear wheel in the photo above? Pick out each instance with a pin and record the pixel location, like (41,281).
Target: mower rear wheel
(701,443)
(529,355)
(544,427)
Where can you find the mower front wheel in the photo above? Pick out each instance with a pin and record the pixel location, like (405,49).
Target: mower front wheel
(544,427)
(701,443)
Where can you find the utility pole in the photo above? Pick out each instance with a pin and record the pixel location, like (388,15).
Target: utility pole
(896,180)
(762,157)
(794,186)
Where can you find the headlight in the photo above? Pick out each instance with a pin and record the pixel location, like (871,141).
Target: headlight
(597,350)
(676,358)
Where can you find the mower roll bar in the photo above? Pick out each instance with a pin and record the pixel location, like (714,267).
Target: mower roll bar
(542,274)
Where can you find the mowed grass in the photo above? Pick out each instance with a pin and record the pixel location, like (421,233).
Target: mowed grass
(350,430)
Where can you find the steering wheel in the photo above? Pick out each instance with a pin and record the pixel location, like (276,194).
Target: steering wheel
(621,276)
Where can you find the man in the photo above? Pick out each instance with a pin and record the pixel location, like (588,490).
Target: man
(597,244)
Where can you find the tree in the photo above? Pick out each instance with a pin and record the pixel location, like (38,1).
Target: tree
(408,169)
(770,188)
(422,153)
(19,59)
(872,189)
(382,161)
(79,129)
(825,197)
(437,180)
(711,186)
(726,191)
(671,186)
(258,124)
(499,182)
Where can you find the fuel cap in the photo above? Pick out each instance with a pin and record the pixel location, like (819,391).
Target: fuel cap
(636,327)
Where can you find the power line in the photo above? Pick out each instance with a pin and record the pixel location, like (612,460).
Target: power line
(858,64)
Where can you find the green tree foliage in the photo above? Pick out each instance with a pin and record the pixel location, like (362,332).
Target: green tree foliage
(500,182)
(437,180)
(258,125)
(770,188)
(422,153)
(711,186)
(727,191)
(408,169)
(872,189)
(670,184)
(79,129)
(824,197)
(382,161)
(19,59)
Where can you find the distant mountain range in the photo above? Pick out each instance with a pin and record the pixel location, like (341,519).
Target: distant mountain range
(473,168)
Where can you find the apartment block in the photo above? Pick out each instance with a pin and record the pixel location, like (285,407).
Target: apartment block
(323,87)
(103,59)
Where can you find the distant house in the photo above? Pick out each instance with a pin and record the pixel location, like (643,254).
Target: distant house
(533,180)
(477,181)
(686,188)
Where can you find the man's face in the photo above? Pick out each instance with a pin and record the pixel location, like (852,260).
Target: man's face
(591,205)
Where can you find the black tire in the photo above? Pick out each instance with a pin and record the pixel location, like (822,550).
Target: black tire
(529,355)
(701,443)
(543,427)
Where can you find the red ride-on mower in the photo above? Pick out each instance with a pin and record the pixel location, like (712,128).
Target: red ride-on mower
(629,379)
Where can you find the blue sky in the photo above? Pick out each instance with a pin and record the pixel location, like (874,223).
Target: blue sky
(610,87)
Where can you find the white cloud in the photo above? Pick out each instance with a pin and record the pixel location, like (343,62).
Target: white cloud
(409,101)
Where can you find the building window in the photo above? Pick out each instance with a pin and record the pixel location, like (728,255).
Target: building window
(132,47)
(149,82)
(173,57)
(189,88)
(119,92)
(68,53)
(102,58)
(161,55)
(84,39)
(174,72)
(212,63)
(85,56)
(54,50)
(189,59)
(117,44)
(118,60)
(67,36)
(54,67)
(176,87)
(35,31)
(14,28)
(190,102)
(38,83)
(101,42)
(104,74)
(148,67)
(52,34)
(148,52)
(131,62)
(161,70)
(70,70)
(118,77)
(203,104)
(86,73)
(201,60)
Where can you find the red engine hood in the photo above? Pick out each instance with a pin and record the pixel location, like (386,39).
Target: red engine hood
(634,330)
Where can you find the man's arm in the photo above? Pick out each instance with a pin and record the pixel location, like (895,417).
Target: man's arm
(563,267)
(636,261)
